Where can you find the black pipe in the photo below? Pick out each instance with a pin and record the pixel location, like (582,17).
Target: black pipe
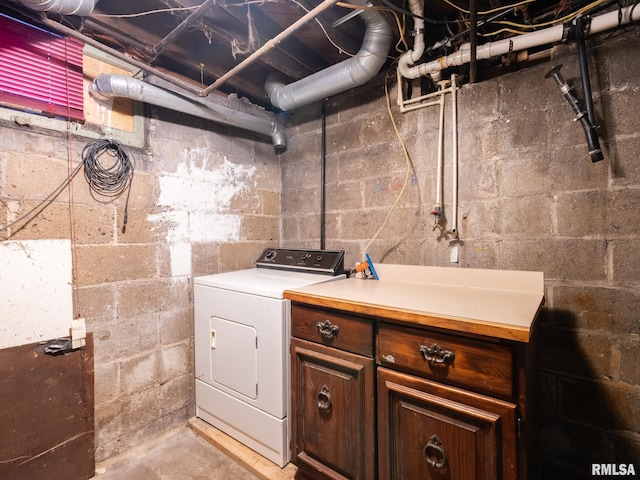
(323,164)
(584,67)
(473,40)
(589,130)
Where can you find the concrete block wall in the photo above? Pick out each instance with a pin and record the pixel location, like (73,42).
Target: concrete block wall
(205,199)
(529,199)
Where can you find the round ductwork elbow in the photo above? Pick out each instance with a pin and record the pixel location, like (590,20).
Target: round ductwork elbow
(65,7)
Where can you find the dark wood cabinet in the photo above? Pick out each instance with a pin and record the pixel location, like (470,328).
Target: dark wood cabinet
(427,430)
(333,406)
(431,404)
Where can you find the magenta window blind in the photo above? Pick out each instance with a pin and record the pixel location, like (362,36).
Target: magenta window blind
(40,70)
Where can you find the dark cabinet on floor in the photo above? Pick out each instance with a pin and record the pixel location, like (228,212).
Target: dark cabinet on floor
(376,398)
(333,406)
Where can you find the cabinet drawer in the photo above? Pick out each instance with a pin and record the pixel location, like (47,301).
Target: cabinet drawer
(474,364)
(336,329)
(431,431)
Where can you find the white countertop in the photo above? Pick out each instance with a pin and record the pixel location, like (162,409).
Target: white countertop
(496,303)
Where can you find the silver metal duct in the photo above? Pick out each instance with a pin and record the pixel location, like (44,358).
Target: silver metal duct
(342,76)
(66,7)
(108,86)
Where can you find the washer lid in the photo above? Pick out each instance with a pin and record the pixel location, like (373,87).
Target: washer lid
(263,281)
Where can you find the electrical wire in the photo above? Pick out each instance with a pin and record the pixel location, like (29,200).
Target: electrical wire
(427,20)
(149,12)
(556,21)
(488,12)
(408,164)
(50,198)
(109,181)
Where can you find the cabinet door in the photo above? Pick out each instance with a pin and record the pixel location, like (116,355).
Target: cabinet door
(332,412)
(432,431)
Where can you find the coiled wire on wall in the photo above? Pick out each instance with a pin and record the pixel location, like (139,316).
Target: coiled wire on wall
(104,179)
(108,179)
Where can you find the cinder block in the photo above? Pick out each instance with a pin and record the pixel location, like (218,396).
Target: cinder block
(525,217)
(140,372)
(624,104)
(626,261)
(476,253)
(599,212)
(176,394)
(603,308)
(108,425)
(344,196)
(270,202)
(176,325)
(583,354)
(176,360)
(31,176)
(609,407)
(521,131)
(260,227)
(479,179)
(629,366)
(111,263)
(204,258)
(106,383)
(139,229)
(151,296)
(559,259)
(97,304)
(304,119)
(622,155)
(240,255)
(139,411)
(117,341)
(300,202)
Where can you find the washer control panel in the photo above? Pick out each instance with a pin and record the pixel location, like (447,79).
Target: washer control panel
(313,261)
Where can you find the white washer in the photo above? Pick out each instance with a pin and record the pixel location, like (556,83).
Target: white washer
(242,330)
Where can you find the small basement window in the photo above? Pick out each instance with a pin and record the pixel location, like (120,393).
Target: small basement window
(44,82)
(41,71)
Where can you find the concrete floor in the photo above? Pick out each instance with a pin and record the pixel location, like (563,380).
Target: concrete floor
(180,454)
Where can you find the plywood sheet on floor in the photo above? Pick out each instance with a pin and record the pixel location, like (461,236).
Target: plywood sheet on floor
(257,464)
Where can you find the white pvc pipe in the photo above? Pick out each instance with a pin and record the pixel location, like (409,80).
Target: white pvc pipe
(521,42)
(454,168)
(410,57)
(440,158)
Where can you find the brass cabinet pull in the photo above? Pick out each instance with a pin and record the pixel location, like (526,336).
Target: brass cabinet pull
(324,399)
(434,453)
(327,329)
(436,355)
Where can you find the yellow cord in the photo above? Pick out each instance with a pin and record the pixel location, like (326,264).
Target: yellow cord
(556,21)
(488,12)
(408,162)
